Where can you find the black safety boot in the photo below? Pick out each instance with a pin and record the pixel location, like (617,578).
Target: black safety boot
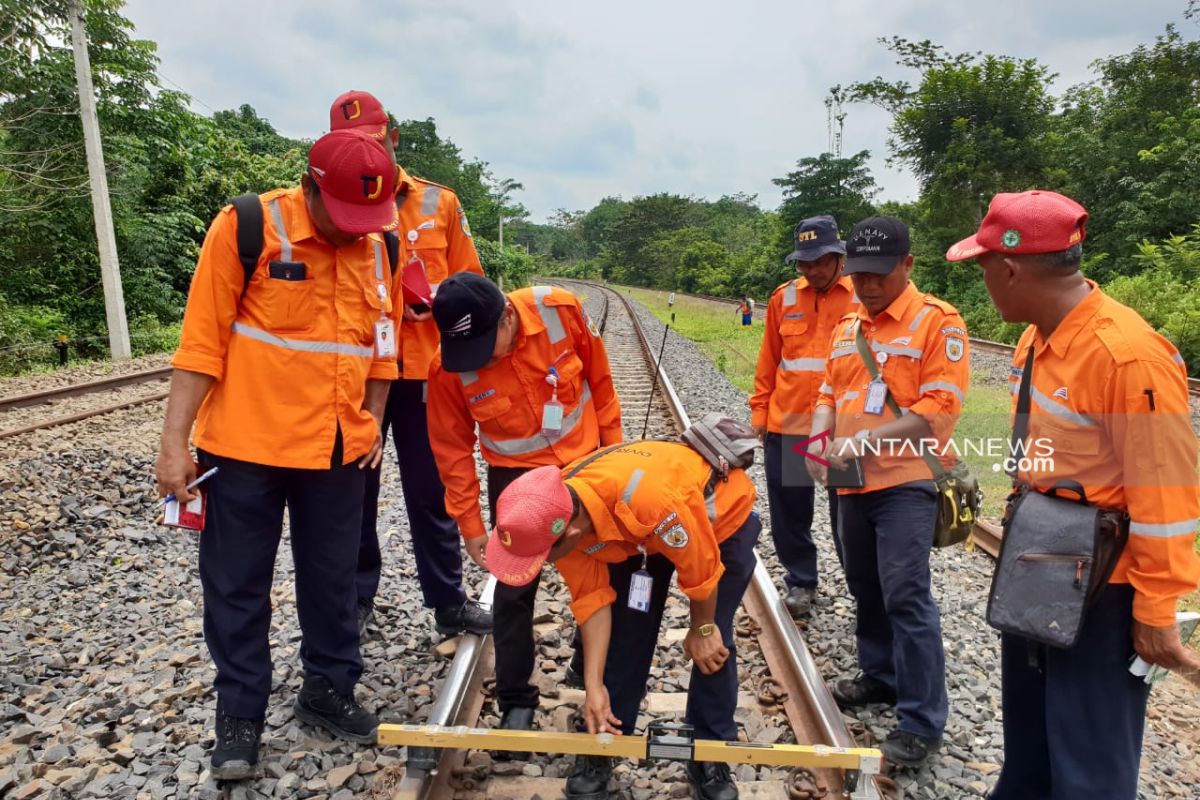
(517,718)
(235,754)
(366,613)
(711,780)
(470,617)
(799,601)
(907,749)
(861,690)
(320,704)
(588,779)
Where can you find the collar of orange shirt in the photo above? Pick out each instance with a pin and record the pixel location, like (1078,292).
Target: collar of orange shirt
(1072,324)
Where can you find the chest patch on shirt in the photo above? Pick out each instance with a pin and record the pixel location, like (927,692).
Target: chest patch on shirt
(475,398)
(954,332)
(667,521)
(954,348)
(591,325)
(903,341)
(794,315)
(840,343)
(595,548)
(676,536)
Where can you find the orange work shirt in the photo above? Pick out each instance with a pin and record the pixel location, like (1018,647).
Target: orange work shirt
(506,401)
(434,228)
(791,358)
(291,358)
(651,494)
(920,344)
(1109,410)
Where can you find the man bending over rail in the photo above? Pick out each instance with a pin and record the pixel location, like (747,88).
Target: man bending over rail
(617,524)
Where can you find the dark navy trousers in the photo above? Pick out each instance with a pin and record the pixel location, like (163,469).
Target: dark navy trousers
(712,699)
(1073,719)
(790,495)
(886,539)
(512,617)
(244,521)
(436,542)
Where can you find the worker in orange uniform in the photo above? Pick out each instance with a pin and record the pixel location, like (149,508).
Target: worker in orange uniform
(616,528)
(791,367)
(531,373)
(886,520)
(318,304)
(746,308)
(435,230)
(1108,396)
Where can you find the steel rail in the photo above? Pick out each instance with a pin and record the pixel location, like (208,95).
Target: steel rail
(95,412)
(77,389)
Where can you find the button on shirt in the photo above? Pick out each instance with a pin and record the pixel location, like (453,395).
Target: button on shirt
(1109,410)
(791,359)
(652,494)
(291,358)
(920,344)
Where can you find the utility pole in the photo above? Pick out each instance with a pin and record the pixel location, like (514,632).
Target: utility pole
(501,233)
(110,270)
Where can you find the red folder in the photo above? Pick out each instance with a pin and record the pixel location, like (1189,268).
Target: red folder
(416,285)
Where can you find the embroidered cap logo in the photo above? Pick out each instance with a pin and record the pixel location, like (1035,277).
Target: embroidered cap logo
(1011,238)
(347,113)
(367,180)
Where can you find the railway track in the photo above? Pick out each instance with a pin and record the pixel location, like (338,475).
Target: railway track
(794,687)
(54,398)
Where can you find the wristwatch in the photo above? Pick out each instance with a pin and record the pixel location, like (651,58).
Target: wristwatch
(705,630)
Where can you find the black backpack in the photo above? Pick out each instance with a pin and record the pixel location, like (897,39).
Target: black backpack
(249,210)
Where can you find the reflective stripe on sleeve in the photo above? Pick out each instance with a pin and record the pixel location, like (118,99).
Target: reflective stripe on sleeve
(531,444)
(825,389)
(1163,530)
(285,244)
(846,398)
(304,345)
(943,386)
(1178,359)
(802,364)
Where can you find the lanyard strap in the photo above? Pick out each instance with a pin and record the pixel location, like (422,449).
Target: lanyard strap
(1021,420)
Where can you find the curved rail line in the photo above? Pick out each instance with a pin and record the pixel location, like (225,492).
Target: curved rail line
(47,396)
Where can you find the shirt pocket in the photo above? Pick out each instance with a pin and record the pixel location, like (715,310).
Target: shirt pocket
(288,305)
(490,410)
(430,247)
(1063,436)
(570,384)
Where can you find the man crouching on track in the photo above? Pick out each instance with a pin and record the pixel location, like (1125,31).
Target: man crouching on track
(531,375)
(617,524)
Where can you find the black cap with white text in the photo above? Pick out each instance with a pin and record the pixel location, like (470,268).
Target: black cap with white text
(876,245)
(467,309)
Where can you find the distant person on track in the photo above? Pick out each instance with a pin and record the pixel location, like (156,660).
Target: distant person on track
(526,377)
(886,520)
(636,512)
(434,228)
(747,309)
(1110,395)
(801,315)
(285,375)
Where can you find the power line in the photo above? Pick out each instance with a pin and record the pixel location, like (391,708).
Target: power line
(191,95)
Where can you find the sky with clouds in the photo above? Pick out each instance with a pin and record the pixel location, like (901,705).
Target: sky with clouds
(579,101)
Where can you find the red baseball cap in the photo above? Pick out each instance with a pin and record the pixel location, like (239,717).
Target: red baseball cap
(357,180)
(361,111)
(530,516)
(1025,223)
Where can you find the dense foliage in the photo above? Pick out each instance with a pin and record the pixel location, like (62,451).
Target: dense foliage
(169,169)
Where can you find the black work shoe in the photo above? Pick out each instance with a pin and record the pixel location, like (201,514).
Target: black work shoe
(320,704)
(517,718)
(710,780)
(235,755)
(470,617)
(860,690)
(588,779)
(799,601)
(907,749)
(366,613)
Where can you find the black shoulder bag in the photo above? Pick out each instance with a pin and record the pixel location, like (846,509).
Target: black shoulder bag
(1057,554)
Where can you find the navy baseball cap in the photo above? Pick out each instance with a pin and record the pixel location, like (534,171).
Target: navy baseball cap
(815,237)
(467,310)
(876,245)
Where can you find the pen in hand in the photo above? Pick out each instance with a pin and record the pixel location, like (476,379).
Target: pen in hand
(189,487)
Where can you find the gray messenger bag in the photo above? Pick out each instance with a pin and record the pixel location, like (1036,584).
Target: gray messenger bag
(1056,557)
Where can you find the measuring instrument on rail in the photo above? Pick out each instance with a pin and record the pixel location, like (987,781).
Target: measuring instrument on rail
(662,741)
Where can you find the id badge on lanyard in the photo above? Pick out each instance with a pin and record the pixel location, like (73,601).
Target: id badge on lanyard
(385,330)
(877,389)
(639,587)
(552,411)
